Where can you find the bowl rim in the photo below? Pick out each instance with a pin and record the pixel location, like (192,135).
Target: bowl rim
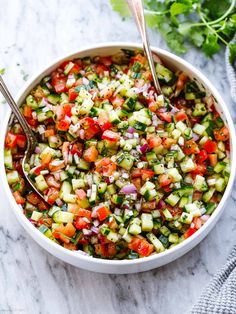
(89,259)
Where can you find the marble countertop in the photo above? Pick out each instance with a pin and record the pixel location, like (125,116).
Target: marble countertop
(32,281)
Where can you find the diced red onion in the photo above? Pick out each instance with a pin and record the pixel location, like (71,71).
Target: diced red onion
(144,148)
(87,232)
(117,211)
(129,135)
(174,110)
(195,137)
(130,130)
(95,230)
(41,129)
(37,150)
(59,202)
(205,217)
(96,223)
(161,204)
(129,189)
(85,81)
(81,134)
(162,109)
(138,206)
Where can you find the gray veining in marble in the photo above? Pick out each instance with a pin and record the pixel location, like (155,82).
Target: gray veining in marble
(32,34)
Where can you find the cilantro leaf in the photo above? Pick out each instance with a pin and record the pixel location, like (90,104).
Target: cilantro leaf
(232,53)
(2,71)
(121,7)
(179,8)
(211,46)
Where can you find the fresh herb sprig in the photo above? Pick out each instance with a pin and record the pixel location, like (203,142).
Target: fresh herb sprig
(207,24)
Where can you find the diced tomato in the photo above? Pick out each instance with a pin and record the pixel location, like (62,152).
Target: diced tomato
(59,82)
(147,174)
(137,182)
(80,223)
(103,213)
(105,249)
(63,125)
(222,134)
(175,211)
(107,61)
(117,101)
(21,140)
(167,188)
(33,198)
(141,246)
(164,180)
(210,146)
(53,195)
(81,194)
(27,111)
(70,246)
(84,213)
(147,207)
(69,230)
(154,141)
(59,233)
(91,154)
(49,132)
(103,121)
(67,109)
(166,116)
(168,142)
(43,206)
(189,232)
(202,156)
(18,198)
(197,195)
(52,182)
(138,58)
(180,116)
(152,106)
(197,222)
(227,145)
(56,165)
(91,127)
(110,136)
(11,140)
(213,159)
(75,70)
(46,160)
(101,68)
(191,147)
(37,170)
(73,208)
(105,166)
(72,94)
(77,148)
(136,173)
(32,122)
(200,169)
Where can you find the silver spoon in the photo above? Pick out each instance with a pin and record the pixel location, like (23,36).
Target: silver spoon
(136,7)
(31,139)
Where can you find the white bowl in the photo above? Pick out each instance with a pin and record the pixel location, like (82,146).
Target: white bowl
(142,264)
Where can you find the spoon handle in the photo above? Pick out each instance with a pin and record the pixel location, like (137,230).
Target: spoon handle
(136,7)
(7,95)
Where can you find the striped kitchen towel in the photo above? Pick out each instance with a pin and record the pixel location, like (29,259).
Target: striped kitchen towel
(219,297)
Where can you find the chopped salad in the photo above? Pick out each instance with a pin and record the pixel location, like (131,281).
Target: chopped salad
(125,172)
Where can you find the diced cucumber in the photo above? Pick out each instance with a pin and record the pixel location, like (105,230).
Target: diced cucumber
(181,126)
(183,201)
(147,186)
(159,168)
(174,174)
(156,243)
(102,186)
(220,184)
(200,184)
(83,165)
(113,117)
(193,209)
(113,236)
(220,166)
(187,165)
(93,197)
(70,198)
(150,195)
(172,199)
(53,210)
(45,230)
(173,238)
(36,215)
(86,106)
(117,199)
(167,214)
(41,183)
(125,161)
(146,222)
(208,195)
(199,128)
(13,177)
(135,229)
(151,157)
(199,110)
(210,208)
(129,104)
(63,217)
(165,231)
(31,102)
(78,184)
(164,74)
(186,218)
(8,162)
